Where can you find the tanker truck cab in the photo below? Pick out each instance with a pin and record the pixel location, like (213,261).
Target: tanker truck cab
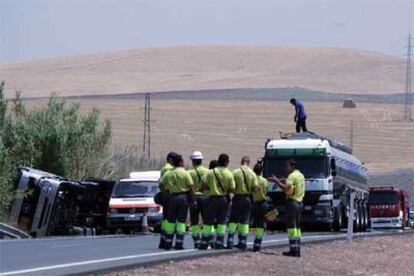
(330,173)
(131,199)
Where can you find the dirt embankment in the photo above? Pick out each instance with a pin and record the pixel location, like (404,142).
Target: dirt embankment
(388,255)
(207,67)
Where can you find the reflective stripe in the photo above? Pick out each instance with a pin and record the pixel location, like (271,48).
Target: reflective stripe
(294,232)
(169,227)
(243,229)
(221,229)
(232,228)
(195,229)
(207,230)
(259,233)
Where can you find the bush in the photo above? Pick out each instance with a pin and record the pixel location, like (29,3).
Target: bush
(55,138)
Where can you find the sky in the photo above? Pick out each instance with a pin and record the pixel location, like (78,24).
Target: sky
(37,29)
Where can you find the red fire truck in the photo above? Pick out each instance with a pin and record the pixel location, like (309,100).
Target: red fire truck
(389,207)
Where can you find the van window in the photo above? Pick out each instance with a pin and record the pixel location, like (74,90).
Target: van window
(136,189)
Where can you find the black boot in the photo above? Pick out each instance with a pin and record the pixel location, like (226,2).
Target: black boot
(161,245)
(204,243)
(257,244)
(197,241)
(219,244)
(230,240)
(212,241)
(168,241)
(242,245)
(292,253)
(179,241)
(294,248)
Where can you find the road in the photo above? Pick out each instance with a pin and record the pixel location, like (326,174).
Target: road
(74,255)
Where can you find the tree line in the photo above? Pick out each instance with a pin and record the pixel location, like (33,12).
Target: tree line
(59,139)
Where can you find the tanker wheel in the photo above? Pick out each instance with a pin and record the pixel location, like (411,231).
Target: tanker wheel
(338,223)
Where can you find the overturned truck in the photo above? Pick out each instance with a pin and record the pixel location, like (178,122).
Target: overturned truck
(332,173)
(47,204)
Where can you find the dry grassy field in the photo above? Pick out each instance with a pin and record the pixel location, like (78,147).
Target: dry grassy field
(207,67)
(241,127)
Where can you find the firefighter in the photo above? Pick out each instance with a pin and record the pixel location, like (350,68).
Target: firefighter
(246,183)
(259,206)
(196,210)
(294,188)
(165,196)
(217,184)
(181,188)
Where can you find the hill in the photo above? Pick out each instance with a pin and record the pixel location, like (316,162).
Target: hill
(240,127)
(207,67)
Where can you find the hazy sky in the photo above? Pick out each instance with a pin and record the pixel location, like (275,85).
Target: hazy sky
(32,29)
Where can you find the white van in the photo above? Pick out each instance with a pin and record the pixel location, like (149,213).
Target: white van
(132,198)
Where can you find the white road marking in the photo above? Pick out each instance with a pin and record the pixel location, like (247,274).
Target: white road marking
(44,268)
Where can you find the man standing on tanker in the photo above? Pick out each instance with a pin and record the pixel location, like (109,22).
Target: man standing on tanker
(300,115)
(294,188)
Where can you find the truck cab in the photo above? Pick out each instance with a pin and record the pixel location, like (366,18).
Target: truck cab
(132,199)
(331,173)
(389,207)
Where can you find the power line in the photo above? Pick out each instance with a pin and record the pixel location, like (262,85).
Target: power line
(408,112)
(146,146)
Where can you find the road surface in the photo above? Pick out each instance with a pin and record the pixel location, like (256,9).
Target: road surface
(74,255)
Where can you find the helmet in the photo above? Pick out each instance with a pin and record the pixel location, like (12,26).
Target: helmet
(196,155)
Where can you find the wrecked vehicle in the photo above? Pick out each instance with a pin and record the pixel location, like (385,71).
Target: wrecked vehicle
(50,205)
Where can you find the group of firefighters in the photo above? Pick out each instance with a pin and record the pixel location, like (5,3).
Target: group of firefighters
(225,200)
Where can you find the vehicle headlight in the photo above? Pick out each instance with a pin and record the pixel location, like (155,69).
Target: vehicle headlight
(154,210)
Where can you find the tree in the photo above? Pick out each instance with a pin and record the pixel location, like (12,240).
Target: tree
(55,138)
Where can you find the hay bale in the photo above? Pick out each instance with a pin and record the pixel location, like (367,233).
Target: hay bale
(348,103)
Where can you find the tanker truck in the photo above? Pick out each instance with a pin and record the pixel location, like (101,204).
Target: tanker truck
(331,173)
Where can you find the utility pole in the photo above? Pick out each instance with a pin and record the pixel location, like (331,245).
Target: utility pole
(408,112)
(351,138)
(146,146)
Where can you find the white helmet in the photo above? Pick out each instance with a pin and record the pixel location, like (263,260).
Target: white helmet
(197,155)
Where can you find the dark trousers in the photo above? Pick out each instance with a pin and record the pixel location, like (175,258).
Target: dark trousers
(198,209)
(259,210)
(241,209)
(293,219)
(301,124)
(165,202)
(178,208)
(216,210)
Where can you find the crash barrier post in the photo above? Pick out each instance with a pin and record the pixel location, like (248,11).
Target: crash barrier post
(350,231)
(144,224)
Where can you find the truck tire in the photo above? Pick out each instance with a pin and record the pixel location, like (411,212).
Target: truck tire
(357,221)
(338,219)
(366,217)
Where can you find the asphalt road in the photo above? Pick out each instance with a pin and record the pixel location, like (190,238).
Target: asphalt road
(74,255)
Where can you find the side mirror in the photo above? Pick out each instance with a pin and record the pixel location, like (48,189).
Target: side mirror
(333,167)
(333,164)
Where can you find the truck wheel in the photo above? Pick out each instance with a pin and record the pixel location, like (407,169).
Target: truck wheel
(357,221)
(338,223)
(364,212)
